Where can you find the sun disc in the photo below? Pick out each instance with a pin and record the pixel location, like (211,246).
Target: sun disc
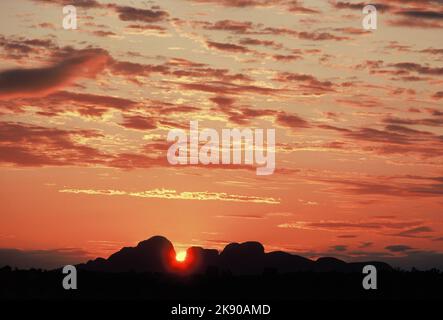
(180,256)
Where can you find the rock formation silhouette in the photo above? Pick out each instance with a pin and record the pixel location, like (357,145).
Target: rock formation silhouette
(157,254)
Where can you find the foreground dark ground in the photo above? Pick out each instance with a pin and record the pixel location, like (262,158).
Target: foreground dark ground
(241,272)
(392,285)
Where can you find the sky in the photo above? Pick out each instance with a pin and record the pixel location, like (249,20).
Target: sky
(85,114)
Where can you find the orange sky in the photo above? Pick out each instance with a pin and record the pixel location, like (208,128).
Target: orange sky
(358,116)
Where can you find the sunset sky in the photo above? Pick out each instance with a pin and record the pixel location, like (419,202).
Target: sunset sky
(358,117)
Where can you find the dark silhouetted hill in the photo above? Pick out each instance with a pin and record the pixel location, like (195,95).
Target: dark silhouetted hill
(157,254)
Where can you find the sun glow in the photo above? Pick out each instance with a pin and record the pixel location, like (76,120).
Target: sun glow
(180,256)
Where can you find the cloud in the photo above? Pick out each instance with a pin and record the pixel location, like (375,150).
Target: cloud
(174,67)
(243,114)
(139,122)
(237,27)
(85,104)
(320,36)
(241,216)
(365,245)
(28,145)
(393,134)
(388,187)
(103,34)
(297,7)
(78,3)
(345,5)
(411,13)
(249,28)
(44,259)
(353,31)
(398,248)
(228,88)
(132,69)
(361,101)
(402,70)
(173,194)
(239,3)
(22,48)
(126,13)
(31,145)
(351,226)
(432,122)
(227,47)
(422,14)
(339,248)
(291,121)
(414,23)
(347,236)
(395,138)
(415,232)
(418,68)
(308,84)
(432,51)
(146,29)
(303,35)
(37,82)
(290,6)
(438,95)
(286,58)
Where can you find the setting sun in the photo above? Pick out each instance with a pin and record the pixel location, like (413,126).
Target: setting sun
(180,256)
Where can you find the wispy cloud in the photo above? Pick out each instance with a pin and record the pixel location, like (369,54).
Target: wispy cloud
(175,195)
(375,225)
(38,82)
